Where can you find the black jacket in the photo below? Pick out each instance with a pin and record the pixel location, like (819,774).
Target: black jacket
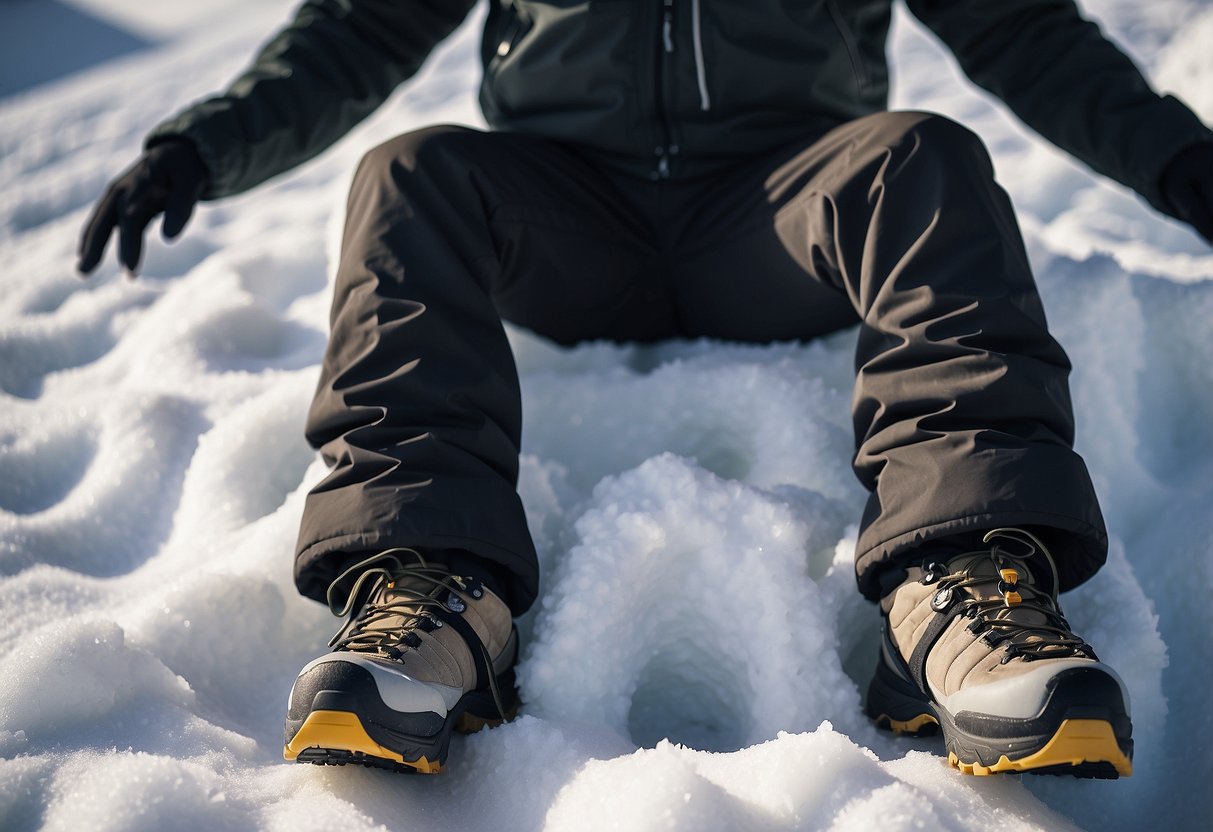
(679,87)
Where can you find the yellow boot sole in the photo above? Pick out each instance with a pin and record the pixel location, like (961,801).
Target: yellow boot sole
(338,737)
(1081,745)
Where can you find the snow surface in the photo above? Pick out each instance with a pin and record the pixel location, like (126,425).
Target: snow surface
(692,502)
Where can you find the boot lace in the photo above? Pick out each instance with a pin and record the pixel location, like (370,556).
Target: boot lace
(1028,619)
(386,588)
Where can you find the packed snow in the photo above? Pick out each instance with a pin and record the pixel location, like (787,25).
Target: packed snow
(698,656)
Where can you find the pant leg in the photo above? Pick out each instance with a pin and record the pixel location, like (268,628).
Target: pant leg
(962,411)
(418,407)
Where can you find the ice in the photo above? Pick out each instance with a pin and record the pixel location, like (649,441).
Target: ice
(698,655)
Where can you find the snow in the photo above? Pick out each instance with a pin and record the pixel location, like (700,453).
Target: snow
(698,655)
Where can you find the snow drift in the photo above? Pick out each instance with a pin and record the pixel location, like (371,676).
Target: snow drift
(698,655)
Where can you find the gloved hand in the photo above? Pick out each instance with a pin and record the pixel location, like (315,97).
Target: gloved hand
(1187,184)
(170,177)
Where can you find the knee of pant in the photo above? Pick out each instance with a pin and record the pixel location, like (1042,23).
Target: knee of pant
(408,151)
(934,141)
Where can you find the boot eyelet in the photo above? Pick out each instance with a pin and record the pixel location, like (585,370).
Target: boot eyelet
(942,599)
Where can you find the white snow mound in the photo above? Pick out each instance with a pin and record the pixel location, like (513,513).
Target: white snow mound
(698,657)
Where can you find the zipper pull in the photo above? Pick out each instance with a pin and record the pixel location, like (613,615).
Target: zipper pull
(662,169)
(667,26)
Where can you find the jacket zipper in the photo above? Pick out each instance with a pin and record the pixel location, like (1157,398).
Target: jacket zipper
(665,47)
(848,40)
(701,71)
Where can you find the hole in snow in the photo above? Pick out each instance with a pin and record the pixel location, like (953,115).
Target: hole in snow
(40,472)
(251,339)
(723,460)
(686,695)
(27,358)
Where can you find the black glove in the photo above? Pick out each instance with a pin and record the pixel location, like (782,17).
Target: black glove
(169,177)
(1187,184)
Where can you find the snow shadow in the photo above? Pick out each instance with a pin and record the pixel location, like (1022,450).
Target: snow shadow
(44,40)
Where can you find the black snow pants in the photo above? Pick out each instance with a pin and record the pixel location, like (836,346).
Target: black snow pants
(892,222)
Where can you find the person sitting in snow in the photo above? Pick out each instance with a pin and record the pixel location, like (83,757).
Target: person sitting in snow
(688,169)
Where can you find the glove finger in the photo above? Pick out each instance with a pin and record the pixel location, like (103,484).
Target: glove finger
(97,232)
(132,224)
(145,199)
(177,213)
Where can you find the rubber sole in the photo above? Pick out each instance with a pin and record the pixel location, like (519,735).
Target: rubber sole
(1083,747)
(350,725)
(338,738)
(1080,742)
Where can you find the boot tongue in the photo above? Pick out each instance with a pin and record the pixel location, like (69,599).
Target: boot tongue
(399,593)
(986,573)
(981,567)
(393,606)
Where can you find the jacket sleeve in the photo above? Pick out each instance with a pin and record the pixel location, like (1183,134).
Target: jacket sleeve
(335,63)
(1059,74)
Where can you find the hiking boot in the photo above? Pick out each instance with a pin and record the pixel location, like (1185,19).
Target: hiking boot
(977,647)
(423,652)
